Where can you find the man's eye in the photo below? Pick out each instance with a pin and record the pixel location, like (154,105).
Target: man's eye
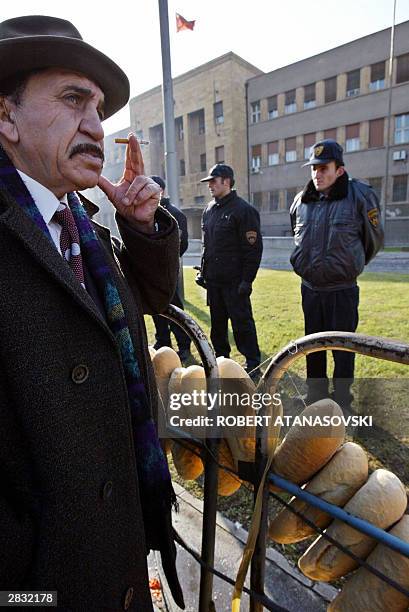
(74,98)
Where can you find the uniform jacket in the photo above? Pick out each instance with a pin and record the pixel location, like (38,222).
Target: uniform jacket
(335,237)
(232,243)
(70,515)
(181,221)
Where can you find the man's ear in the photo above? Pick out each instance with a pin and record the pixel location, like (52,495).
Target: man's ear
(340,171)
(8,127)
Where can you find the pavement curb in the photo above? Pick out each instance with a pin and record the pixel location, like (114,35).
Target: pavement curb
(324,591)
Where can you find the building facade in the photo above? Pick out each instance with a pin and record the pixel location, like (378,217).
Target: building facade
(211,127)
(342,94)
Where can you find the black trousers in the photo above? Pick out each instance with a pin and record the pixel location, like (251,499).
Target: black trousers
(330,311)
(225,303)
(164,327)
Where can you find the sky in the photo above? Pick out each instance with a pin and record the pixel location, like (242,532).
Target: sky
(266,33)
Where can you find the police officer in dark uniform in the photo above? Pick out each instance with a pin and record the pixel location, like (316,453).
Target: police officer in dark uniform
(337,230)
(164,326)
(232,249)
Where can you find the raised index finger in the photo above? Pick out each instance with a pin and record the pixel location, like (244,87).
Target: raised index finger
(134,160)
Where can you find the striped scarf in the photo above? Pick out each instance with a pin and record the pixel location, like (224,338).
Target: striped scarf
(156,493)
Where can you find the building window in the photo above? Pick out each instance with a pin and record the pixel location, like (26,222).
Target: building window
(273,200)
(255,112)
(218,113)
(199,199)
(219,155)
(255,158)
(401,129)
(309,96)
(290,150)
(377,76)
(182,167)
(309,140)
(400,188)
(272,152)
(330,133)
(179,128)
(272,107)
(290,195)
(290,105)
(353,83)
(352,142)
(402,69)
(376,131)
(201,122)
(257,200)
(330,89)
(203,166)
(376,184)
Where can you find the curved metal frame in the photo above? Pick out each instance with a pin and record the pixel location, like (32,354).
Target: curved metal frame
(380,348)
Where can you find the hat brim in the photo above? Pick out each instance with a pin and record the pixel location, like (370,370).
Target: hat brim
(208,178)
(317,162)
(34,52)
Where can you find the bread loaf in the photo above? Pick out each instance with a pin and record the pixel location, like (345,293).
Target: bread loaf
(381,501)
(187,461)
(336,483)
(227,483)
(235,380)
(365,592)
(164,362)
(306,449)
(183,380)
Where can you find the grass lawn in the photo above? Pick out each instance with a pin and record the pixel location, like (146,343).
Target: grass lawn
(277,311)
(384,306)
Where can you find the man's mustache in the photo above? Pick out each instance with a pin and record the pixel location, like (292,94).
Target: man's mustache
(87,147)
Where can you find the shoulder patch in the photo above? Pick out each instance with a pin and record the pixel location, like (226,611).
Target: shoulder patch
(251,236)
(373,216)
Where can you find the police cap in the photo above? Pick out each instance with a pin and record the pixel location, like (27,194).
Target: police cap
(219,170)
(325,151)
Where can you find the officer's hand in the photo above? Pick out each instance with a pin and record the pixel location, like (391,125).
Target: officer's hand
(245,288)
(200,280)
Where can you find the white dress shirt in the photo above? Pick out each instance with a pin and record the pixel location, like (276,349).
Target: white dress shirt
(47,203)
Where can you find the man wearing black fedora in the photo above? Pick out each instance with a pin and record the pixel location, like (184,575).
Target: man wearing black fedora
(86,491)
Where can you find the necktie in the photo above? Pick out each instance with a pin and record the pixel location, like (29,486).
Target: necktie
(70,241)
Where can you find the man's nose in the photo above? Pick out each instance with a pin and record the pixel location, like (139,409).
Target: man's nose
(91,125)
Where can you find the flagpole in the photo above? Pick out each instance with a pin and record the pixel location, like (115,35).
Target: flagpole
(385,189)
(172,175)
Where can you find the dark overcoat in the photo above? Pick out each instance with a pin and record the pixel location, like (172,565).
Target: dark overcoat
(70,514)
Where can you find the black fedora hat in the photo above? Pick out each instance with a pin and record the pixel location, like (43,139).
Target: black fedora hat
(37,41)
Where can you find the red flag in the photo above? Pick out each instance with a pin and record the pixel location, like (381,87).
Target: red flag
(183,24)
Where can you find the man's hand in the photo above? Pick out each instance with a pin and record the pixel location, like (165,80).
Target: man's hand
(245,288)
(135,196)
(199,280)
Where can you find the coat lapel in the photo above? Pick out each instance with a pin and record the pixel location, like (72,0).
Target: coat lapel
(42,250)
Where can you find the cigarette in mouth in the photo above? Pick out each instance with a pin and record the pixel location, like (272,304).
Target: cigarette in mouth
(126,141)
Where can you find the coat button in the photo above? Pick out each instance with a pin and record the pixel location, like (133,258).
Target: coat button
(128,598)
(80,374)
(107,490)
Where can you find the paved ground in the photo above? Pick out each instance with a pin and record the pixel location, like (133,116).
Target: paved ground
(284,583)
(279,259)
